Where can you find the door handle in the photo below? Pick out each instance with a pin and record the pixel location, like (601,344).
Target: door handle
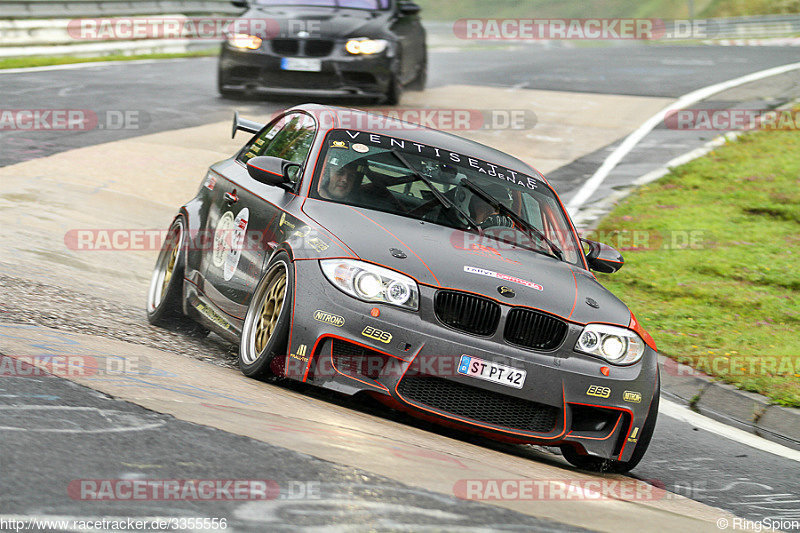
(231,197)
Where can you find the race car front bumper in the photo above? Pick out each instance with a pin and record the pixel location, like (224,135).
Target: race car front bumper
(416,362)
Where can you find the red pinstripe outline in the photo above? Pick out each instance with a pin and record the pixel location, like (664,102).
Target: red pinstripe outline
(576,294)
(401,242)
(201,291)
(334,336)
(619,419)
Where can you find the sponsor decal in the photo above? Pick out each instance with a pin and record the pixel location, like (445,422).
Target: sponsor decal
(317,244)
(211,315)
(361,148)
(329,318)
(482,167)
(339,144)
(301,353)
(508,292)
(211,182)
(222,239)
(600,392)
(259,142)
(504,277)
(283,222)
(632,396)
(591,302)
(634,435)
(377,334)
(237,243)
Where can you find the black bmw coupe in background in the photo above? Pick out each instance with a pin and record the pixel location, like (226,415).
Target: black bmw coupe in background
(354,48)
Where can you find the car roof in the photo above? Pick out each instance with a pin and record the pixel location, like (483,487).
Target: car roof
(423,135)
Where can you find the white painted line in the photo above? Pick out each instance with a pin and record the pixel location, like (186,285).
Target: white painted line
(684,414)
(593,183)
(90,64)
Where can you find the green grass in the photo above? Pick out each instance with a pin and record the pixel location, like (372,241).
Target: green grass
(731,302)
(24,62)
(440,10)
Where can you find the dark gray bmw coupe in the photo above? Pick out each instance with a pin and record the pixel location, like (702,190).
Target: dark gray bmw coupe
(356,48)
(441,276)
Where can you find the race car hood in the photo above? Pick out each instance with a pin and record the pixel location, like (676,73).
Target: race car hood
(320,22)
(444,257)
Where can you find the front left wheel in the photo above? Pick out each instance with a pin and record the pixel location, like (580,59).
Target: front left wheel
(266,325)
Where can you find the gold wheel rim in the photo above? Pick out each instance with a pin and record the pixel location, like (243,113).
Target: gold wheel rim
(171,265)
(270,311)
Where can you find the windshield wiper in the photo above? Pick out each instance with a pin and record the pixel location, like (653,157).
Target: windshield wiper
(438,195)
(497,204)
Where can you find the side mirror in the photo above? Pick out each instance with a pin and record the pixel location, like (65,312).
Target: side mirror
(602,257)
(272,171)
(408,8)
(240,3)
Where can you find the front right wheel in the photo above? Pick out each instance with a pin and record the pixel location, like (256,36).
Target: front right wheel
(266,325)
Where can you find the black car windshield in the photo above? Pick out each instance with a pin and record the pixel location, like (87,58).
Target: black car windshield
(348,4)
(363,169)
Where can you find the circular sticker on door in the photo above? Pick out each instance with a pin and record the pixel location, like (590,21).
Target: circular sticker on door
(222,239)
(237,242)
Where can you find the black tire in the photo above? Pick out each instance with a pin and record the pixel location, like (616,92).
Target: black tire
(262,340)
(394,93)
(165,296)
(597,464)
(419,83)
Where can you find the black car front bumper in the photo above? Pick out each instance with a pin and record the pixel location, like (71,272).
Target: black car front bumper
(341,74)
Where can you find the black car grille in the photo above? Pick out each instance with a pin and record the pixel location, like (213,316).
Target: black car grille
(306,80)
(532,329)
(478,404)
(467,312)
(302,47)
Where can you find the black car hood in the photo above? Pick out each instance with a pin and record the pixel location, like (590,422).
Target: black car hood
(322,22)
(444,257)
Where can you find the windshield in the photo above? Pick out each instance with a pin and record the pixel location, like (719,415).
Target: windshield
(349,4)
(364,170)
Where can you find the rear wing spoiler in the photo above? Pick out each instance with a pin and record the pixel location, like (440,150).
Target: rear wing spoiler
(245,125)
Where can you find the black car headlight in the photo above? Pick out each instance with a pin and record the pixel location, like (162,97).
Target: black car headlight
(244,41)
(365,46)
(618,346)
(372,283)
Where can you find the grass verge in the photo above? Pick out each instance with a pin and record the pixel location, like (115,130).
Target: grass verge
(44,61)
(712,272)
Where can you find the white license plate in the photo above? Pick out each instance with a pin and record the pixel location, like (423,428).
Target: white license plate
(504,375)
(301,63)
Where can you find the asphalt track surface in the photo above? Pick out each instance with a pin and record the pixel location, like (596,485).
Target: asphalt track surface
(38,462)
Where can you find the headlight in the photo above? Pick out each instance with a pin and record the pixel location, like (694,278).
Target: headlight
(243,40)
(364,46)
(372,283)
(618,346)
